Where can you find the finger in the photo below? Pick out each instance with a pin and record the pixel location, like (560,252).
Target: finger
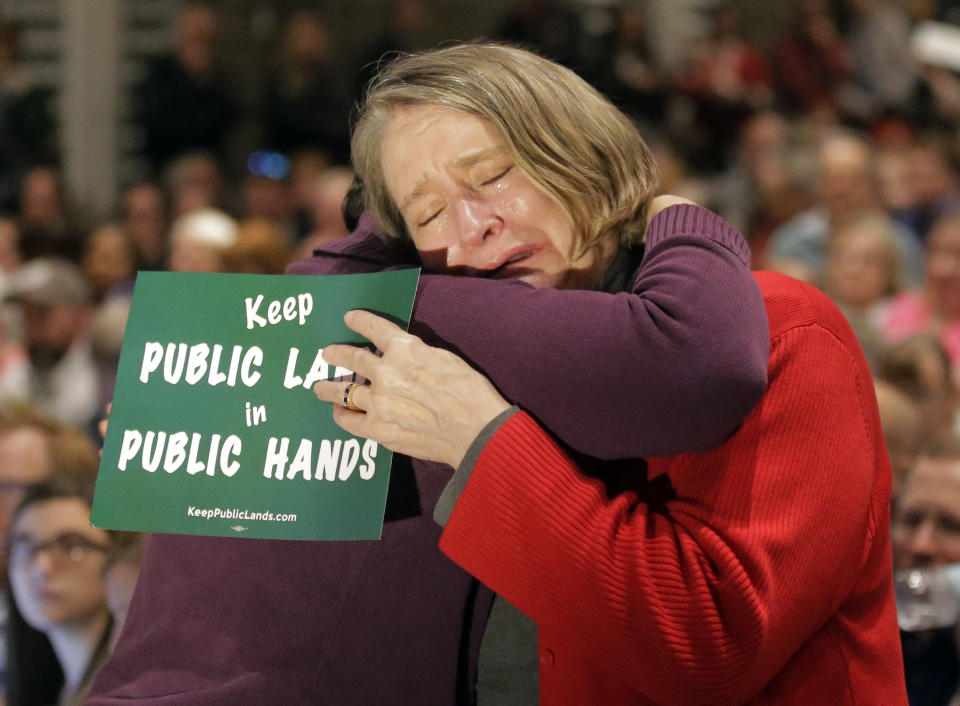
(336,391)
(355,423)
(331,391)
(375,329)
(355,358)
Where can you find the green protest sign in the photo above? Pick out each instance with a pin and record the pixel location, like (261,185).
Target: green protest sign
(215,429)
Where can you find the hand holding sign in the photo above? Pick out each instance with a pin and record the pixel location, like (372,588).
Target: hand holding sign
(422,401)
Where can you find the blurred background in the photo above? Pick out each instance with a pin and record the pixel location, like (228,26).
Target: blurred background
(161,134)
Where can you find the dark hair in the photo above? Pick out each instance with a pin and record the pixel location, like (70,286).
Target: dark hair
(34,676)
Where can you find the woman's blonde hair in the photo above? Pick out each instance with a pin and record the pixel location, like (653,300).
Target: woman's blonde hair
(565,136)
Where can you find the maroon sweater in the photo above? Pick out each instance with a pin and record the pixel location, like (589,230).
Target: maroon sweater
(673,365)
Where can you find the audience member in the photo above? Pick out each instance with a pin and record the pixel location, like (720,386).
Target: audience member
(631,76)
(763,187)
(864,270)
(935,184)
(305,105)
(59,631)
(407,26)
(846,188)
(268,197)
(919,367)
(897,186)
(926,535)
(199,239)
(305,167)
(58,376)
(46,226)
(935,309)
(194,181)
(143,215)
(261,247)
(109,260)
(27,124)
(182,104)
(727,79)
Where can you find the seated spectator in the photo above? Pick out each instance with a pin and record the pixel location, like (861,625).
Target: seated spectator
(864,270)
(846,187)
(193,181)
(936,308)
(58,377)
(110,263)
(199,240)
(920,368)
(262,247)
(935,185)
(60,625)
(763,187)
(926,536)
(109,260)
(33,447)
(897,185)
(45,224)
(143,215)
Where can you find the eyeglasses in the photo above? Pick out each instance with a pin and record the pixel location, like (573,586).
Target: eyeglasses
(63,549)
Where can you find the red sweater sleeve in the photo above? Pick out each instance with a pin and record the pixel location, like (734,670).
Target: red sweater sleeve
(706,600)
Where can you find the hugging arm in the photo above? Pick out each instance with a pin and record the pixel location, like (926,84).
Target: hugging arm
(671,366)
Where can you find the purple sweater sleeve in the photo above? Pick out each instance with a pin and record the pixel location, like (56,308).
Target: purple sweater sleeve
(670,367)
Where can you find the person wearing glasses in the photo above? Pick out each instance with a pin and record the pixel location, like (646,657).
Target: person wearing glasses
(60,626)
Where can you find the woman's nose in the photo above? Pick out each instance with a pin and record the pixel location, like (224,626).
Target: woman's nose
(477,226)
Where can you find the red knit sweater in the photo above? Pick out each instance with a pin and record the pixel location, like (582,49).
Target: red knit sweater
(767,580)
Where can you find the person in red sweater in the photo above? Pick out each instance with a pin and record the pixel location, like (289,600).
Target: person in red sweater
(757,573)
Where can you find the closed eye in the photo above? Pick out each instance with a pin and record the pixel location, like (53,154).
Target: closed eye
(429,218)
(498,177)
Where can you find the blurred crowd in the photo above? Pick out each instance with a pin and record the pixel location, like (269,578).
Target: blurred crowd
(833,147)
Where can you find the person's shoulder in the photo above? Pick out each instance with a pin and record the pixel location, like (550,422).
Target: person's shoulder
(792,304)
(683,219)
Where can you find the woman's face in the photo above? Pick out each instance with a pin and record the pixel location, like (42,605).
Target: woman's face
(470,210)
(107,260)
(56,559)
(858,268)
